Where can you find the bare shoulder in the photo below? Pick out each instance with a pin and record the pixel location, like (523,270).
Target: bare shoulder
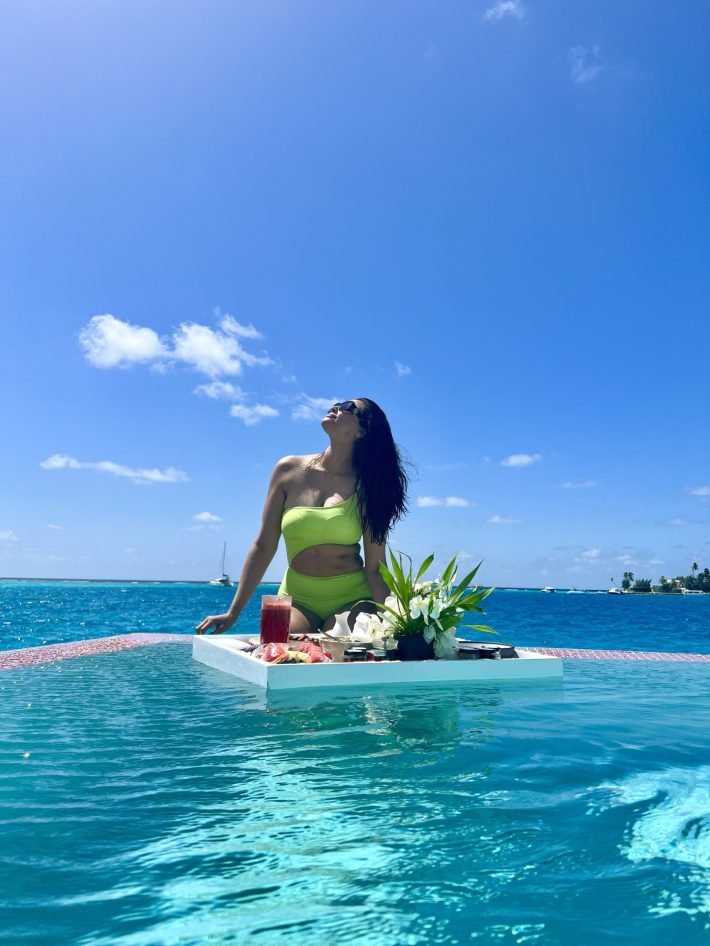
(288,467)
(294,462)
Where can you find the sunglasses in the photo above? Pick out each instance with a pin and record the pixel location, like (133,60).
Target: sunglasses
(347,407)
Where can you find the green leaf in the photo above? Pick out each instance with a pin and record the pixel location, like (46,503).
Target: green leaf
(408,588)
(464,589)
(399,577)
(448,621)
(422,569)
(401,621)
(481,627)
(448,571)
(463,586)
(470,601)
(387,577)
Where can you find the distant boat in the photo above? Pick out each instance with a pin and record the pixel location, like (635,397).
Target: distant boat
(615,591)
(576,591)
(549,589)
(693,591)
(225,581)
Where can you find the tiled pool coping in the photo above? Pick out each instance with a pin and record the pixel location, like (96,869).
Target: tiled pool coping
(28,656)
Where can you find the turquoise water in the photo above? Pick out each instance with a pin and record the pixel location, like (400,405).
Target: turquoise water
(146,799)
(49,612)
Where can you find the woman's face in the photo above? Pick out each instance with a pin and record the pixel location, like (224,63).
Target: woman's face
(343,418)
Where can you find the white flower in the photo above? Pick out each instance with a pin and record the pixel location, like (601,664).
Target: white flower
(435,608)
(392,601)
(424,587)
(376,625)
(445,645)
(367,626)
(419,606)
(429,634)
(389,621)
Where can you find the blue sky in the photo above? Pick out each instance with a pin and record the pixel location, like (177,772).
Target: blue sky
(491,217)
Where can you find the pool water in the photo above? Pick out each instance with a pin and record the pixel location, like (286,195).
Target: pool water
(147,799)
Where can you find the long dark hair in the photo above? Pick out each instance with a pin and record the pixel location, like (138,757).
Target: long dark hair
(381,479)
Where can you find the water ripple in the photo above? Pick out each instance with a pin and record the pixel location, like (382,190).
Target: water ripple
(146,800)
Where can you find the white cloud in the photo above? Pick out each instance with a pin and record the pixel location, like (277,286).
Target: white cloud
(449,501)
(656,561)
(626,559)
(584,64)
(585,484)
(230,325)
(60,461)
(312,408)
(521,459)
(205,520)
(503,8)
(51,525)
(220,391)
(402,370)
(503,520)
(678,522)
(698,490)
(110,343)
(143,477)
(207,517)
(210,352)
(252,415)
(7,535)
(591,554)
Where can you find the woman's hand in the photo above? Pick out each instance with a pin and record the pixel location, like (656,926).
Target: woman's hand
(220,623)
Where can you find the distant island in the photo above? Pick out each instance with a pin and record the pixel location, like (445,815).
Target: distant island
(697,581)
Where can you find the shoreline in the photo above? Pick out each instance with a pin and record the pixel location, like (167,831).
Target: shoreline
(206,583)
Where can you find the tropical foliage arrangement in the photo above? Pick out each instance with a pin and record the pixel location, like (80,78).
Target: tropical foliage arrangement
(433,609)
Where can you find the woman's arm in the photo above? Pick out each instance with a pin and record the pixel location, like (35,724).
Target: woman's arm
(374,554)
(260,554)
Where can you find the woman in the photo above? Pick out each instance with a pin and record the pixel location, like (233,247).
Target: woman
(324,504)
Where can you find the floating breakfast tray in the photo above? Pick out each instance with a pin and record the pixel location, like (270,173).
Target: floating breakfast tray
(224,654)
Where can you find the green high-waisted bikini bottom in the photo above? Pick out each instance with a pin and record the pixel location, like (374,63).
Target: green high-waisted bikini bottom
(326,596)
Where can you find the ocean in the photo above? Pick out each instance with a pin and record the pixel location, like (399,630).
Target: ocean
(50,612)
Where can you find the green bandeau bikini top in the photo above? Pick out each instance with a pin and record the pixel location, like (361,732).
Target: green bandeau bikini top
(306,526)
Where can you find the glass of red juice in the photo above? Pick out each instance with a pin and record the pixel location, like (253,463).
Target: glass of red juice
(275,618)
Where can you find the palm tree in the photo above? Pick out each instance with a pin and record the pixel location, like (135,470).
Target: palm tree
(694,568)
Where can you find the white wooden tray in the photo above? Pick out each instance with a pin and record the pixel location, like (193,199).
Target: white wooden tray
(221,653)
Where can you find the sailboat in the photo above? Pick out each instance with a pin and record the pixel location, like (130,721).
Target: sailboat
(225,580)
